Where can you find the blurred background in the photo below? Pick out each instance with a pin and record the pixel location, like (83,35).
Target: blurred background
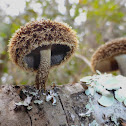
(95,21)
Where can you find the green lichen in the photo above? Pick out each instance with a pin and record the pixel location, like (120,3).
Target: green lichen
(105,84)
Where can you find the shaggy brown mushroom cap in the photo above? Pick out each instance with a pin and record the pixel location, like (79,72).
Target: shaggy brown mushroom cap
(103,59)
(30,39)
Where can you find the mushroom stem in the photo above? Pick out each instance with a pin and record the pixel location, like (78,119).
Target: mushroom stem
(44,66)
(121,60)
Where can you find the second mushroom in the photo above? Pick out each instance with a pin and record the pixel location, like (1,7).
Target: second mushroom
(40,45)
(110,57)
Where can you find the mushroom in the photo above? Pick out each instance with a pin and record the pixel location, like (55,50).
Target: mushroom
(110,57)
(41,45)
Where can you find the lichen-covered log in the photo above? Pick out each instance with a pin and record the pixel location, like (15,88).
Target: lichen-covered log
(70,108)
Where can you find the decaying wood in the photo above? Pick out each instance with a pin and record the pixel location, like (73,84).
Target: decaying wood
(71,101)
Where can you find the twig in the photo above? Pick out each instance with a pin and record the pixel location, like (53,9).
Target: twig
(84,59)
